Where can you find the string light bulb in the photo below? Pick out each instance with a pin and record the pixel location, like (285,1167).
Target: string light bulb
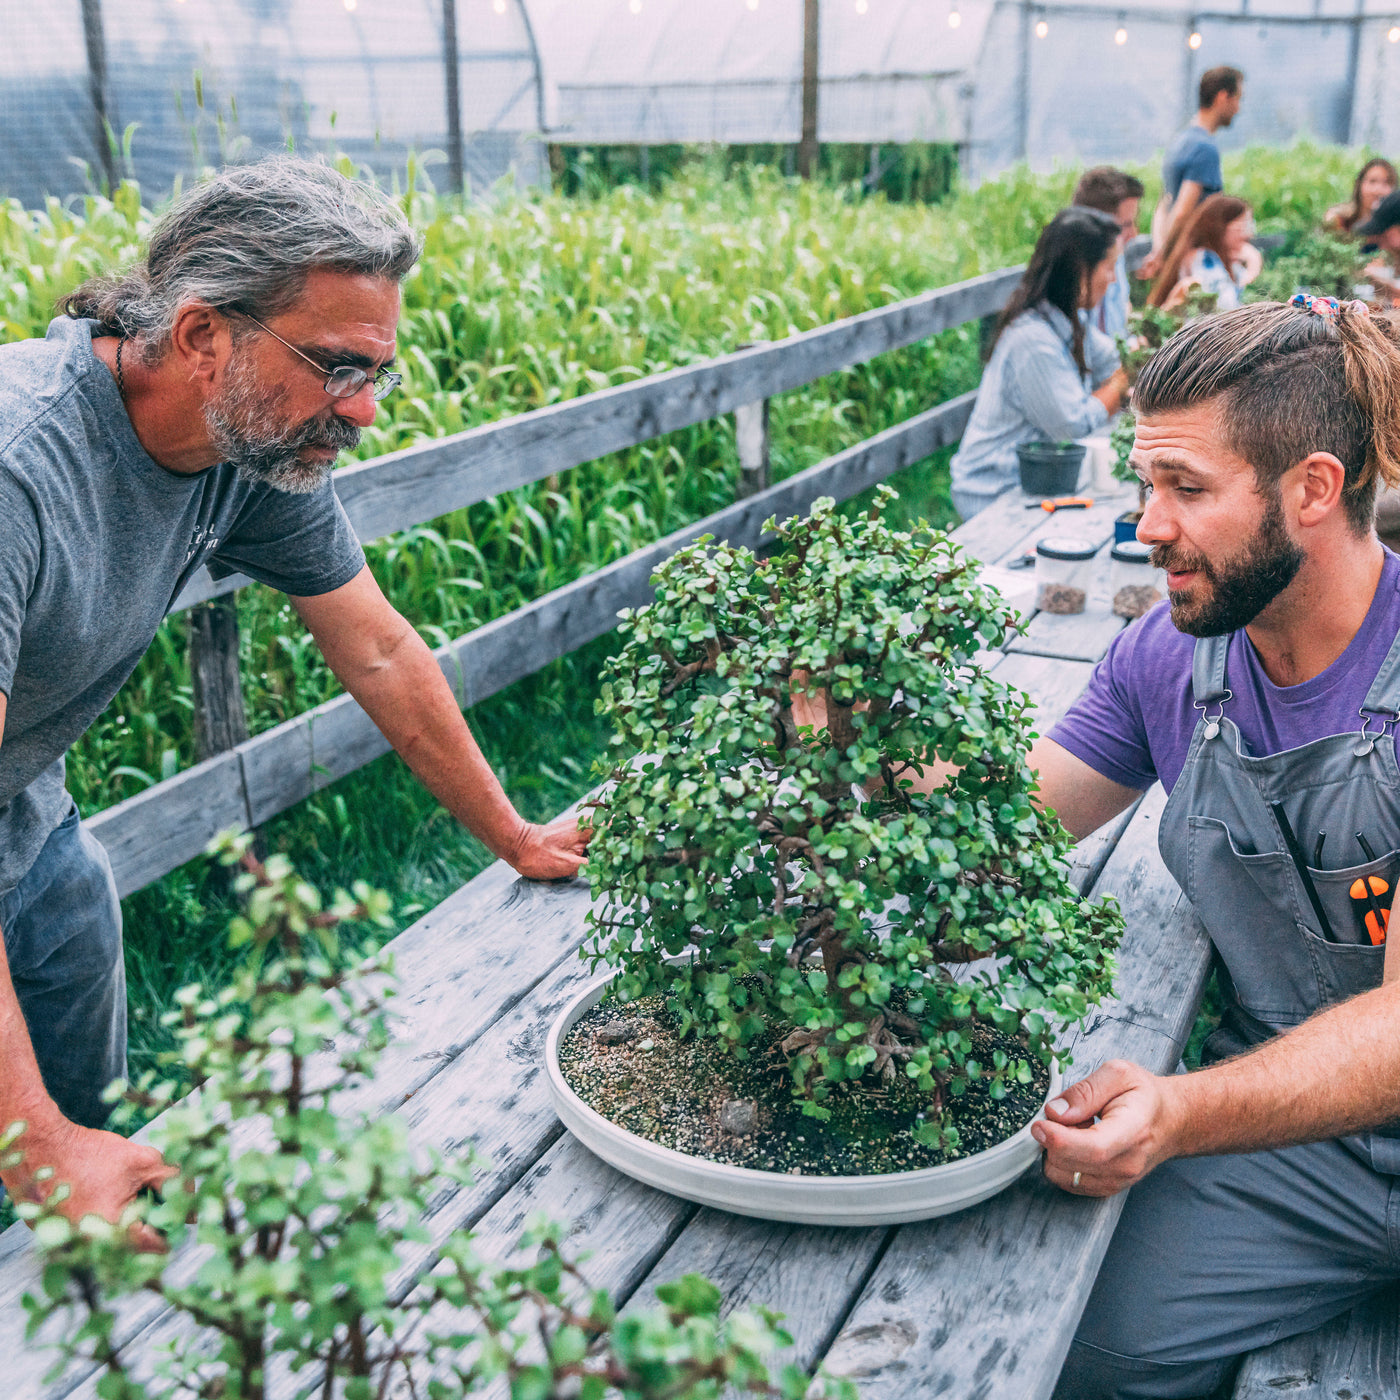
(1041,29)
(862,6)
(1394,35)
(1120,36)
(954,18)
(752,4)
(635,6)
(1194,42)
(350,5)
(499,6)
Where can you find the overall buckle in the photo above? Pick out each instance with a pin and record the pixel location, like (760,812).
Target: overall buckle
(1367,740)
(1212,722)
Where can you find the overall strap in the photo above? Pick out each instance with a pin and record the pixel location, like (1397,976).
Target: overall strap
(1208,669)
(1383,698)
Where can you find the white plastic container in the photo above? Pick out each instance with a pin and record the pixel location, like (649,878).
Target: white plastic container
(1064,568)
(1134,585)
(891,1198)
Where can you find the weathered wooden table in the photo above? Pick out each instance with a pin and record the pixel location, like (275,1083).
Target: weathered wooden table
(981,1304)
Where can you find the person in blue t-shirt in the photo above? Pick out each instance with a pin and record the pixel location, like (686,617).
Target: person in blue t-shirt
(1191,169)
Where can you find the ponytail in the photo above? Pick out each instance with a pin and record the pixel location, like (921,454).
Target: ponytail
(1372,357)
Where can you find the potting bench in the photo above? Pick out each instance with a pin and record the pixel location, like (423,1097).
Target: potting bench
(982,1304)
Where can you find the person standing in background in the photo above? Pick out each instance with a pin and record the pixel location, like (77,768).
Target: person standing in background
(1191,170)
(1119,195)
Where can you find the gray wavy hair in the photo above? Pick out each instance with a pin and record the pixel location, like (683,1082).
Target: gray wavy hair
(245,241)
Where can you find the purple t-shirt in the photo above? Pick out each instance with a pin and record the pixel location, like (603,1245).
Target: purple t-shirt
(1135,719)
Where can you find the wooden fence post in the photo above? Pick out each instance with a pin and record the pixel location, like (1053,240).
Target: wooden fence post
(751,438)
(220,721)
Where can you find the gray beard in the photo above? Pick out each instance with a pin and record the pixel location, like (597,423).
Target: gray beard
(247,432)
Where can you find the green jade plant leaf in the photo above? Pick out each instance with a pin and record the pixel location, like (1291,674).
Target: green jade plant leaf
(308,1218)
(736,834)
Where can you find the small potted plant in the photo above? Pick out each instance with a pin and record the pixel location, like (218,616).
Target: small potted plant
(842,937)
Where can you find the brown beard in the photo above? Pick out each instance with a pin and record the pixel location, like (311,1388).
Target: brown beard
(249,433)
(1241,587)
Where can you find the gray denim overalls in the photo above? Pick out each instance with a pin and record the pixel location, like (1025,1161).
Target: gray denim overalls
(1220,840)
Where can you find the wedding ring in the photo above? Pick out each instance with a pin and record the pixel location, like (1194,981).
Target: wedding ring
(1074,1180)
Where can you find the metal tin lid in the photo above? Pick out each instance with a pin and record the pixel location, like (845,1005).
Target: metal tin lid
(1133,552)
(1066,547)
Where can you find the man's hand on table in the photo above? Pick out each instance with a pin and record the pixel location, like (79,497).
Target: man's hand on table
(551,852)
(103,1171)
(1136,1131)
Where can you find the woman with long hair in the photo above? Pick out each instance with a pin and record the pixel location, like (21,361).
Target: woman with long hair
(1212,252)
(1376,179)
(1050,376)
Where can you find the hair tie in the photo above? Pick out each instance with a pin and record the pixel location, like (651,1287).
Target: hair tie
(1329,308)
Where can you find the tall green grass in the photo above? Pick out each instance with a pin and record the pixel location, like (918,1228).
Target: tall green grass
(515,305)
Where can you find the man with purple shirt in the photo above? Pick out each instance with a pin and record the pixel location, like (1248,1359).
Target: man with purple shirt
(1265,699)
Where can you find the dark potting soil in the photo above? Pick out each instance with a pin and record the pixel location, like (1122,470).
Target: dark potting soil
(625,1061)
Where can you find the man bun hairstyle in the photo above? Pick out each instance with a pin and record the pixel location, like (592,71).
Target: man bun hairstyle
(1214,81)
(1285,383)
(1104,188)
(245,241)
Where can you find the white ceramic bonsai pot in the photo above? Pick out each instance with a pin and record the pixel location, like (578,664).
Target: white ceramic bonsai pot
(891,1198)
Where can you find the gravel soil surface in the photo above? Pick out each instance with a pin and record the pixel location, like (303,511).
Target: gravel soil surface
(624,1061)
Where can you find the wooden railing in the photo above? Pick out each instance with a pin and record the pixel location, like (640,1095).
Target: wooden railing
(251,779)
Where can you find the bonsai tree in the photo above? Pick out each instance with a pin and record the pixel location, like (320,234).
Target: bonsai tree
(763,819)
(306,1219)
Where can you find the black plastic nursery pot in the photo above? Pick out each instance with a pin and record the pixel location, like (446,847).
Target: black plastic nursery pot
(1050,468)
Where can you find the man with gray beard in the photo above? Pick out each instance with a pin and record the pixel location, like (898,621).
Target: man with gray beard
(188,412)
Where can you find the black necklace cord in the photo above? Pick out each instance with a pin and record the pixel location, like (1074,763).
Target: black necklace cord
(121,382)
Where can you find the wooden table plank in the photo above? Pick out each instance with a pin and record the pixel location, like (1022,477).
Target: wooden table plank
(985,1303)
(1357,1357)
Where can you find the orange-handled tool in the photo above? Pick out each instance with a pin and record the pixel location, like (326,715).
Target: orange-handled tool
(1374,919)
(1055,503)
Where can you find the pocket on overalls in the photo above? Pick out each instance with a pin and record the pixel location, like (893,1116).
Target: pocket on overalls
(1352,963)
(1246,902)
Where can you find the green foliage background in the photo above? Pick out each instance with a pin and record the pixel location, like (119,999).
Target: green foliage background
(527,301)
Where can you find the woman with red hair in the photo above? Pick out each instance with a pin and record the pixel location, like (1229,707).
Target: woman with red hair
(1212,252)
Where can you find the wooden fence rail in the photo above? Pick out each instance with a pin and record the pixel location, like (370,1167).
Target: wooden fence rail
(242,784)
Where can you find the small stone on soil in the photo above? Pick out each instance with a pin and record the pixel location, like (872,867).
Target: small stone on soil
(615,1032)
(739,1116)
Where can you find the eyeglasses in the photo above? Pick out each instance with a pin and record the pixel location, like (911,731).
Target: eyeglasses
(344,381)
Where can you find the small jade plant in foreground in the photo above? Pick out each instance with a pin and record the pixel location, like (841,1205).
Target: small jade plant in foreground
(309,1269)
(757,703)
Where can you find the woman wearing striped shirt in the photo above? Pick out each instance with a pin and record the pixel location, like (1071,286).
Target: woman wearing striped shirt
(1051,376)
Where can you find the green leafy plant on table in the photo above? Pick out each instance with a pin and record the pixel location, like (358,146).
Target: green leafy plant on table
(734,829)
(302,1216)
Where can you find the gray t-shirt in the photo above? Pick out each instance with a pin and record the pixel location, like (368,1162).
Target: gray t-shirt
(96,542)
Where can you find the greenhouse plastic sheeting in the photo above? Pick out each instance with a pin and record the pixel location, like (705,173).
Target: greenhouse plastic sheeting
(721,71)
(210,80)
(1005,80)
